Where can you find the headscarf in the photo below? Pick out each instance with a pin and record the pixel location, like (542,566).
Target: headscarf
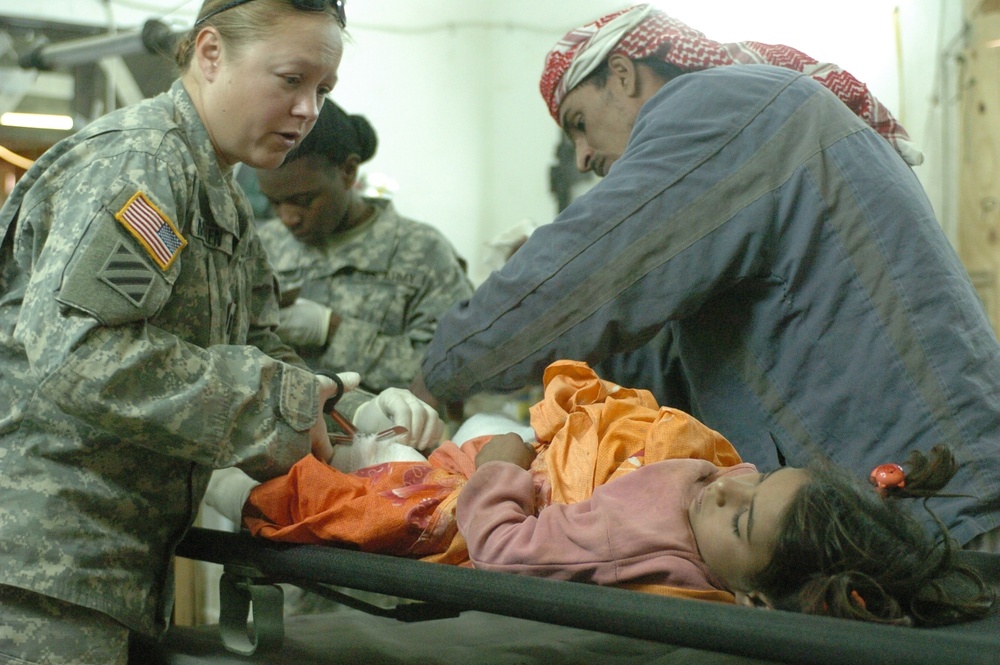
(641,31)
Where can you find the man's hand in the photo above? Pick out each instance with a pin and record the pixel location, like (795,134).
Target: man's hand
(420,391)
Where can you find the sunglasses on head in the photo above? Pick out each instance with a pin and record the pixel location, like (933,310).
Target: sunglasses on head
(305,5)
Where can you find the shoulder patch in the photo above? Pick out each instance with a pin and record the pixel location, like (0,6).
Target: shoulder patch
(128,274)
(154,230)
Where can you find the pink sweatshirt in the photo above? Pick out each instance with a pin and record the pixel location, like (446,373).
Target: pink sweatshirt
(633,529)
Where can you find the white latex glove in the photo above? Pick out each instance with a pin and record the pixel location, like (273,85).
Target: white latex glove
(304,323)
(318,435)
(395,406)
(228,490)
(367,451)
(351,380)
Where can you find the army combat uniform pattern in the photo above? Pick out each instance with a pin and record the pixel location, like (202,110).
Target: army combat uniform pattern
(390,280)
(137,353)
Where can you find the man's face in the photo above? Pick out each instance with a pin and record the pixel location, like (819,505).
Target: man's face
(598,121)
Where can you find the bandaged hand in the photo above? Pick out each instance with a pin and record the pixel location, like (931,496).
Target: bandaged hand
(318,435)
(395,406)
(508,447)
(304,323)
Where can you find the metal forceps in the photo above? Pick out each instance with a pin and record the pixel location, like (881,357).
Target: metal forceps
(351,432)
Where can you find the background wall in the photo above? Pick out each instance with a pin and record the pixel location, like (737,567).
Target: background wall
(454,92)
(451,86)
(978,147)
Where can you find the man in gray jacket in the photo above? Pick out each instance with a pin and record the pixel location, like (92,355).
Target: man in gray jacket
(815,305)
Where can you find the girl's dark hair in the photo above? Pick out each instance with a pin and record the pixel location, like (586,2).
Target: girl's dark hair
(845,551)
(335,136)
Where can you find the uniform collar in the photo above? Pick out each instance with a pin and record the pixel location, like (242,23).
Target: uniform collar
(217,185)
(371,246)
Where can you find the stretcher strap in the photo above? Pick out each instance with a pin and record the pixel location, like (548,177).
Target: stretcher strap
(772,635)
(239,593)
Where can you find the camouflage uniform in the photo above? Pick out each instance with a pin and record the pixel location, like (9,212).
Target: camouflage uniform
(131,283)
(39,629)
(390,280)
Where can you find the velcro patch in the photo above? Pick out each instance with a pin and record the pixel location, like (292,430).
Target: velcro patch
(154,230)
(128,273)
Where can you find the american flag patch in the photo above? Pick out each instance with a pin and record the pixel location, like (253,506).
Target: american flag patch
(153,230)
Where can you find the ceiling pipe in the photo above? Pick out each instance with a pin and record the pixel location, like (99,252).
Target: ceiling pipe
(154,37)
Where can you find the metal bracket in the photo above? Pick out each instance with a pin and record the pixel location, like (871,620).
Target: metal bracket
(408,612)
(241,592)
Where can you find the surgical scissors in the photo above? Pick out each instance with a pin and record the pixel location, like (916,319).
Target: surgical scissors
(350,430)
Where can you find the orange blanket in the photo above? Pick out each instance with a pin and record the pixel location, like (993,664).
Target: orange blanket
(589,432)
(597,430)
(402,508)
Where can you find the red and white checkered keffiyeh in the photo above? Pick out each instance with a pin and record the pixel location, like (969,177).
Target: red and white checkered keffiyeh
(641,32)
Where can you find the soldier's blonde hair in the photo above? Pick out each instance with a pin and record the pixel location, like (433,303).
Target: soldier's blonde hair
(238,26)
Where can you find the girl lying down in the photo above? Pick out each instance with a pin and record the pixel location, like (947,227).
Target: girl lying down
(618,491)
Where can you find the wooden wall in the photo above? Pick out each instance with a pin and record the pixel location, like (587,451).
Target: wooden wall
(979,170)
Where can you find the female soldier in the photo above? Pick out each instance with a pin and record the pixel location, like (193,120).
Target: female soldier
(137,349)
(373,283)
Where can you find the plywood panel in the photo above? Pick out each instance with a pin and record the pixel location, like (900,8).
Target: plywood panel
(186,596)
(979,177)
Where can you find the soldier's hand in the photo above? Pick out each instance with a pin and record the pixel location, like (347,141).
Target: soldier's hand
(305,323)
(322,449)
(395,406)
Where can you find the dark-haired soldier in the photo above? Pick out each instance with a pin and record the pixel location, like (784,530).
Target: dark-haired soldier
(371,284)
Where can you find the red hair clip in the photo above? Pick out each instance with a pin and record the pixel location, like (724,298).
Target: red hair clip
(886,477)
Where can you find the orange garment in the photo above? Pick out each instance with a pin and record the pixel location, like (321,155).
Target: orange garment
(597,430)
(402,508)
(589,432)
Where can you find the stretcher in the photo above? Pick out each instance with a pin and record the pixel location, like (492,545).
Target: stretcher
(254,567)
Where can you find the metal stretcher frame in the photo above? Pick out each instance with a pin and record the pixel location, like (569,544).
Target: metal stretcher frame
(252,567)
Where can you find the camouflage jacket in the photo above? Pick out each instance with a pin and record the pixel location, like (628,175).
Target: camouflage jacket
(137,352)
(390,281)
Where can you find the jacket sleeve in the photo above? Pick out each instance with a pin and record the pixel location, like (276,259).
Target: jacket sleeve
(496,515)
(224,406)
(388,359)
(264,310)
(651,243)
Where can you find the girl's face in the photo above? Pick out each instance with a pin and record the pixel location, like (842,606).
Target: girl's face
(258,101)
(735,522)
